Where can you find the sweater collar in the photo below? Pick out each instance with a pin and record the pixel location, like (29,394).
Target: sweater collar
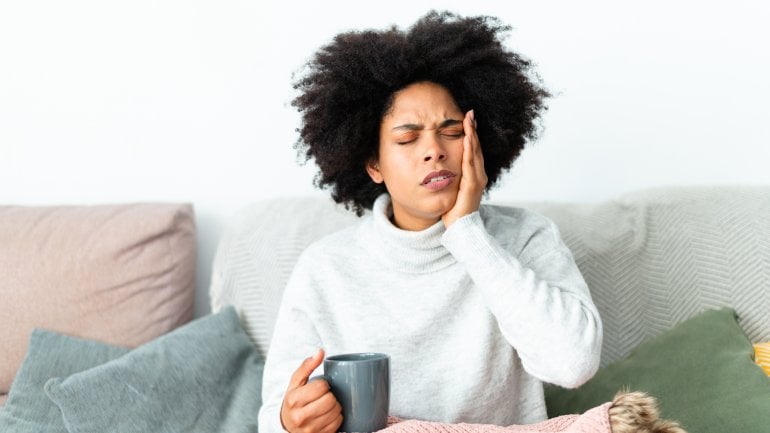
(408,251)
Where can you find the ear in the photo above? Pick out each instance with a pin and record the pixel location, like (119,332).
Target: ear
(373,169)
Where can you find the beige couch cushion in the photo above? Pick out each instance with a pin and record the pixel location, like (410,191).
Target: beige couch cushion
(120,274)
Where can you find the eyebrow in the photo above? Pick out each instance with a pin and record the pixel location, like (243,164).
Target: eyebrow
(416,127)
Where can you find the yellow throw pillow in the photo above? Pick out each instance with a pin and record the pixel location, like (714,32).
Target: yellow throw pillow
(762,356)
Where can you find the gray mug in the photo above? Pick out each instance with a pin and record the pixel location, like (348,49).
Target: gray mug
(361,384)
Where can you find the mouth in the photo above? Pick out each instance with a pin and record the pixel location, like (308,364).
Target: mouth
(438,180)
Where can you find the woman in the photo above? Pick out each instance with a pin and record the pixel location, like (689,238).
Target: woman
(475,308)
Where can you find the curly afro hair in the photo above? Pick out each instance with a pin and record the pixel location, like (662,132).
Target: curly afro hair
(350,84)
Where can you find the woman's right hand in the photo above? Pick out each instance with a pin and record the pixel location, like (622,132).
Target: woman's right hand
(310,407)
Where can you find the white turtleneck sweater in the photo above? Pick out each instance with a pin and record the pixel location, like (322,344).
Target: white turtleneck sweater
(474,317)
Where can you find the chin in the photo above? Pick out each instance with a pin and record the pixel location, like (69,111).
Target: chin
(442,205)
(430,207)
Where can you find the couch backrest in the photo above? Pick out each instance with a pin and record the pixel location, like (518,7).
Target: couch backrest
(651,258)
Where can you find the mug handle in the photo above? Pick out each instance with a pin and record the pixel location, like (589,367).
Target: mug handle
(321,376)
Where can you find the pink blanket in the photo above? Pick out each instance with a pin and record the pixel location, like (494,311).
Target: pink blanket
(595,420)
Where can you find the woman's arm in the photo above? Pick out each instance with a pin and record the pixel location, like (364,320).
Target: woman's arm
(538,296)
(542,306)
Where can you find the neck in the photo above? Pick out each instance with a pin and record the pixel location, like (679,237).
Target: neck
(411,223)
(410,251)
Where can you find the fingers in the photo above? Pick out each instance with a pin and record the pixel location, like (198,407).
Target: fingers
(322,414)
(473,178)
(470,132)
(334,425)
(301,375)
(471,135)
(310,407)
(328,406)
(473,158)
(467,152)
(306,394)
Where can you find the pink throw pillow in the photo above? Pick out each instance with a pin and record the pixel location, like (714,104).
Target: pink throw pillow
(119,274)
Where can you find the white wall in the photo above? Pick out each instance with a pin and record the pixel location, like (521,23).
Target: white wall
(106,101)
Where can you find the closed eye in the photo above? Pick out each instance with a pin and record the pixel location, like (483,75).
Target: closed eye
(409,137)
(453,133)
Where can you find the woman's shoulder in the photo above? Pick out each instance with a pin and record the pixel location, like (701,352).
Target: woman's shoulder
(519,229)
(512,219)
(335,245)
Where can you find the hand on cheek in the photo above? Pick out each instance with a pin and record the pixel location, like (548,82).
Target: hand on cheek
(473,179)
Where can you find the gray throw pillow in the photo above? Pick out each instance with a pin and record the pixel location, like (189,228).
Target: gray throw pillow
(28,409)
(204,376)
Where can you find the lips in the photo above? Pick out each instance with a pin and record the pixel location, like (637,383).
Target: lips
(438,180)
(437,176)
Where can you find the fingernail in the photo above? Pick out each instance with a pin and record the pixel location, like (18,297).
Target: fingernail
(473,116)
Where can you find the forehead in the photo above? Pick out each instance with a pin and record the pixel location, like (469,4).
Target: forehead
(422,101)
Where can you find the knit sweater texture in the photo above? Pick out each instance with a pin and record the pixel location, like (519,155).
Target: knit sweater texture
(474,317)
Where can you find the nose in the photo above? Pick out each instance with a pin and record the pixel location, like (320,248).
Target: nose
(434,151)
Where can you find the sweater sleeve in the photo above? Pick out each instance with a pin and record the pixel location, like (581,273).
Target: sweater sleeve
(544,309)
(294,339)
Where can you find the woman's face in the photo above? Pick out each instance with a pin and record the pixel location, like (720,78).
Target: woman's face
(420,154)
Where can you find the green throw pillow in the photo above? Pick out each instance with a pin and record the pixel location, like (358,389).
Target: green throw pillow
(28,409)
(701,372)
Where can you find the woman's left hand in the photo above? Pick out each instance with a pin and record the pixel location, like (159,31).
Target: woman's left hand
(473,179)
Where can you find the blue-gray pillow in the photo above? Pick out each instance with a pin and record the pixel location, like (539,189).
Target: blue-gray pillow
(204,376)
(28,409)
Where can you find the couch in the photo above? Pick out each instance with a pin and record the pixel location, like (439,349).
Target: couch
(653,259)
(114,287)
